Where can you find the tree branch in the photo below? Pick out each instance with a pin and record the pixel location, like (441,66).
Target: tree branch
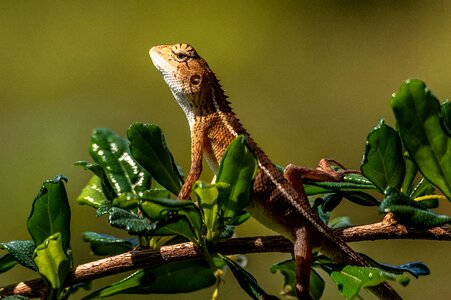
(144,258)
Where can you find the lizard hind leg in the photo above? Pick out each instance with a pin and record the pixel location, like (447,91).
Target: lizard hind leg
(303,261)
(328,170)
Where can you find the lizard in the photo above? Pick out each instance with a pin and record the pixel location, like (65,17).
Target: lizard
(278,200)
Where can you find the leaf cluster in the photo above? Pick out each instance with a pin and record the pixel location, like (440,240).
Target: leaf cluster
(135,182)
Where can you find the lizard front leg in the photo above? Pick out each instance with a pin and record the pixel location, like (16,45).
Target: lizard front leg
(197,140)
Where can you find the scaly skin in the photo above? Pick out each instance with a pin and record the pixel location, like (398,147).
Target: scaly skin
(278,203)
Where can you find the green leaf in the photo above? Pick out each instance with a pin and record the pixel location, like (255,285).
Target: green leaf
(351,279)
(179,227)
(446,113)
(331,201)
(241,218)
(417,218)
(131,200)
(98,170)
(325,187)
(410,212)
(418,114)
(104,208)
(53,264)
(423,188)
(247,282)
(361,198)
(103,244)
(383,163)
(148,147)
(129,221)
(50,213)
(16,297)
(168,212)
(127,201)
(339,222)
(416,268)
(112,152)
(92,194)
(238,168)
(7,262)
(207,195)
(287,269)
(317,285)
(411,172)
(22,251)
(170,278)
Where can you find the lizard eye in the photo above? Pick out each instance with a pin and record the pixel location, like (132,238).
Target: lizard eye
(181,56)
(195,79)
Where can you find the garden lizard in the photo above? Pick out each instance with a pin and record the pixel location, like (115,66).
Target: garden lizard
(278,200)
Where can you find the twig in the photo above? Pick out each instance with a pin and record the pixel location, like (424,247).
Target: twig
(144,258)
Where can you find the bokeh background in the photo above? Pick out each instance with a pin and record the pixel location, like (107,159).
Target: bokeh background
(309,79)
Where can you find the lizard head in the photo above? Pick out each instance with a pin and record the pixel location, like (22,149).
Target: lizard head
(188,76)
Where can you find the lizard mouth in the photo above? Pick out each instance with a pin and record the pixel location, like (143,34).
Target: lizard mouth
(164,67)
(157,60)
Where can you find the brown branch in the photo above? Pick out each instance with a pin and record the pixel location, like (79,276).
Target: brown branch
(144,258)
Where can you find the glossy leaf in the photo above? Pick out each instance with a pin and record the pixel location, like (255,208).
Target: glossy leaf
(351,279)
(241,218)
(411,172)
(180,227)
(148,147)
(247,282)
(104,208)
(317,285)
(104,244)
(92,194)
(331,201)
(207,195)
(50,213)
(168,212)
(410,212)
(53,264)
(7,262)
(418,113)
(170,278)
(446,114)
(112,152)
(383,163)
(414,217)
(237,169)
(129,221)
(424,187)
(99,171)
(325,187)
(416,268)
(287,269)
(22,251)
(127,201)
(131,200)
(361,198)
(339,222)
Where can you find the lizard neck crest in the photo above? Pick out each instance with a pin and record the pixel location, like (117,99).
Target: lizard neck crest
(191,80)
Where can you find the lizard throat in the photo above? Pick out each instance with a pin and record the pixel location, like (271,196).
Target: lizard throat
(186,107)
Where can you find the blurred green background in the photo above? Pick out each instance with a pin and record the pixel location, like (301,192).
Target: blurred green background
(307,80)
